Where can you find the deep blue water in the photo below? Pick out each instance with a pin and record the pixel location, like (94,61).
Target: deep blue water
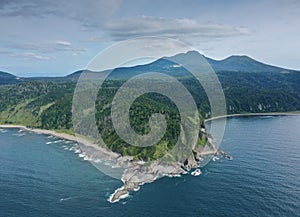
(39,179)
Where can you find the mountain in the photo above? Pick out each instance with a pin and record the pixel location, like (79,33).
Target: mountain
(167,65)
(6,78)
(249,87)
(243,64)
(232,63)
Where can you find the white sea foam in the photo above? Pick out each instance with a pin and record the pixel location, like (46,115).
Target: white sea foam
(115,166)
(77,151)
(215,158)
(172,176)
(106,163)
(86,158)
(81,155)
(137,188)
(196,172)
(96,160)
(121,197)
(66,199)
(19,134)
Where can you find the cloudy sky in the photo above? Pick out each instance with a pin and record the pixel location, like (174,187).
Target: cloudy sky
(45,37)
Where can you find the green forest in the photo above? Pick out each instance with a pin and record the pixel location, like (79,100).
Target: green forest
(47,104)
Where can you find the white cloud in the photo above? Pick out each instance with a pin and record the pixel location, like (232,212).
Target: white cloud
(54,46)
(26,55)
(88,12)
(64,43)
(33,56)
(178,28)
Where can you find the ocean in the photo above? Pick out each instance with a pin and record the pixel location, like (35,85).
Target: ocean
(43,176)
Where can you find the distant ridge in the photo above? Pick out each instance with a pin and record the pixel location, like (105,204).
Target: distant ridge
(7,78)
(6,75)
(243,64)
(234,63)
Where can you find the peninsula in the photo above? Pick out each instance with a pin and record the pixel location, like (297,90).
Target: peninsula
(44,105)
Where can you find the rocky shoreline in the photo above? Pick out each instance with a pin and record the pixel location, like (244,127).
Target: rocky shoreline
(136,173)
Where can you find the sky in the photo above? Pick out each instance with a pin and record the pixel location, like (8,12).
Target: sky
(55,38)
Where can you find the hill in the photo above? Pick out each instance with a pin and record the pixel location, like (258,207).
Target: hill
(249,86)
(243,64)
(6,78)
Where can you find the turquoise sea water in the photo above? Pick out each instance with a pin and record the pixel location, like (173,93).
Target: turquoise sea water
(40,179)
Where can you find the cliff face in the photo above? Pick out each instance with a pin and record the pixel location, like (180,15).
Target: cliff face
(138,172)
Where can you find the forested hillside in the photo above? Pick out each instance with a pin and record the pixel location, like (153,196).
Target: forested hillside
(47,103)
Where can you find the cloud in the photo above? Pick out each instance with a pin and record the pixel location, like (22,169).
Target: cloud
(26,55)
(88,12)
(64,43)
(154,26)
(33,56)
(55,46)
(26,9)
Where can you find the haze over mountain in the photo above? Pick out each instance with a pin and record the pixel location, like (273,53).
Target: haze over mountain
(7,78)
(248,85)
(231,64)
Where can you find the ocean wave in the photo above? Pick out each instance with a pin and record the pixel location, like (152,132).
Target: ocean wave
(172,176)
(75,148)
(19,134)
(71,148)
(97,161)
(196,172)
(137,188)
(86,158)
(58,141)
(121,197)
(67,198)
(81,155)
(77,151)
(215,158)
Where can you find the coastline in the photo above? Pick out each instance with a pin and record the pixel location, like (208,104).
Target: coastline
(135,174)
(65,136)
(255,114)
